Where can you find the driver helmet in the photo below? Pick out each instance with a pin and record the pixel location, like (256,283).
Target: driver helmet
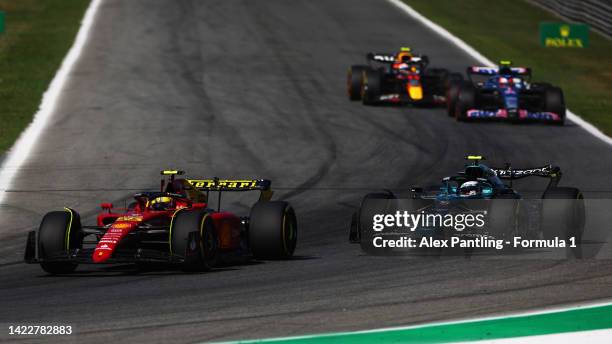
(470,188)
(162,203)
(403,57)
(505,67)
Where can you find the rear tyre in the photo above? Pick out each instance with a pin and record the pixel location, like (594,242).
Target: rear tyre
(434,84)
(466,99)
(272,230)
(355,82)
(59,232)
(563,215)
(453,83)
(372,86)
(437,73)
(200,252)
(554,102)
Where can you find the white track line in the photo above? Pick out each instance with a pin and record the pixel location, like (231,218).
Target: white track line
(509,315)
(591,129)
(22,148)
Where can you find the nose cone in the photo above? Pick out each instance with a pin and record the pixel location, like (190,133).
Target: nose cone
(101,255)
(106,246)
(415,92)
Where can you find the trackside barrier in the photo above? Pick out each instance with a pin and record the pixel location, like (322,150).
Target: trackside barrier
(597,13)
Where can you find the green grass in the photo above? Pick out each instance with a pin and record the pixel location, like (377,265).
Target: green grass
(501,29)
(37,36)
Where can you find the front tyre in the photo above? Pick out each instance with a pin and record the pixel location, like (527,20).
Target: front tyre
(375,203)
(272,230)
(193,238)
(554,102)
(452,85)
(503,217)
(59,232)
(466,98)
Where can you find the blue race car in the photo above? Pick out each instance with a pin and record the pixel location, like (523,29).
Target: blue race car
(480,189)
(505,93)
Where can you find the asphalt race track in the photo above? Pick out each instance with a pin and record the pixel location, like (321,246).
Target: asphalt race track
(257,89)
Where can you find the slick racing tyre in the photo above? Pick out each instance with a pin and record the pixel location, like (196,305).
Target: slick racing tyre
(503,217)
(433,83)
(194,239)
(373,203)
(563,215)
(354,82)
(272,230)
(372,86)
(554,102)
(59,232)
(452,85)
(466,99)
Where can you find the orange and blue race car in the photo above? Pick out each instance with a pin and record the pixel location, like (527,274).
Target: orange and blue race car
(174,226)
(399,78)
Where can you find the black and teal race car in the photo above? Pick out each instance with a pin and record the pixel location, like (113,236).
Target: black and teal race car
(479,191)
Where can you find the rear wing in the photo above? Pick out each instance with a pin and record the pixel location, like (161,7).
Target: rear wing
(221,185)
(477,70)
(201,186)
(389,58)
(217,184)
(381,57)
(548,171)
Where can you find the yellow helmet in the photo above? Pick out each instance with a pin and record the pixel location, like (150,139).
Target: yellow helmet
(403,56)
(162,203)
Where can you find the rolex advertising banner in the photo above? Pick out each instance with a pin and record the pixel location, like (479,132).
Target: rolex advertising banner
(560,35)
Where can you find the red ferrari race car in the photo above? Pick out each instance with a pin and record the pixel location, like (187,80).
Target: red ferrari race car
(399,78)
(175,226)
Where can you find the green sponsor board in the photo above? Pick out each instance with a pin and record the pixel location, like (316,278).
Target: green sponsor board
(560,35)
(1,22)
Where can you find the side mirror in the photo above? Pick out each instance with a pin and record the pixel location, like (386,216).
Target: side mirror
(106,206)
